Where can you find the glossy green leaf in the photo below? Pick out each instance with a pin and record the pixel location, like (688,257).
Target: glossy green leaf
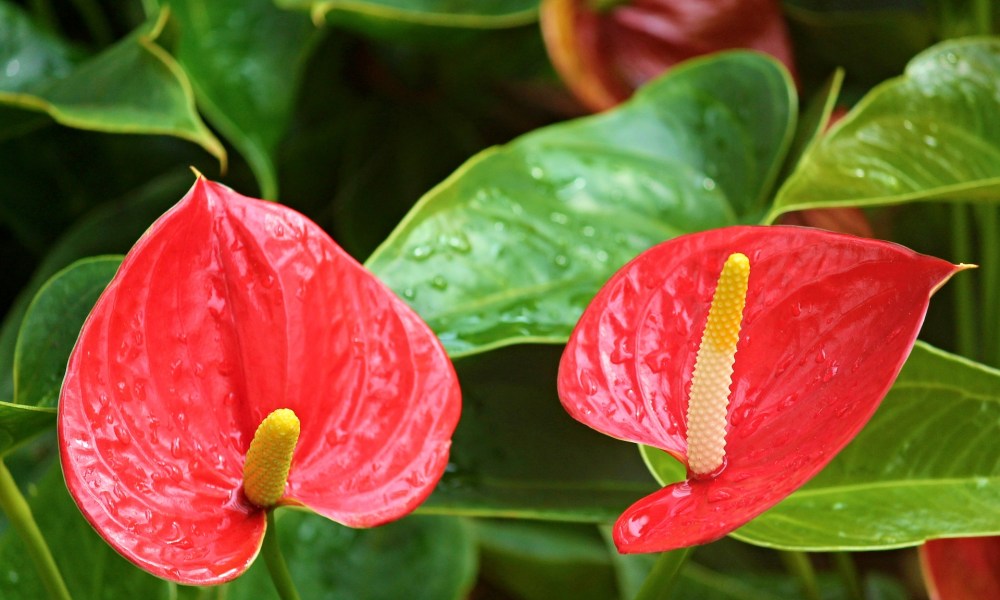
(535,560)
(924,467)
(51,326)
(444,13)
(417,558)
(243,59)
(90,568)
(933,133)
(30,55)
(517,453)
(133,86)
(514,245)
(112,228)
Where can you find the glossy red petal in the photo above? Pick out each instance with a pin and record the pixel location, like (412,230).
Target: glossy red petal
(227,309)
(605,54)
(828,323)
(961,568)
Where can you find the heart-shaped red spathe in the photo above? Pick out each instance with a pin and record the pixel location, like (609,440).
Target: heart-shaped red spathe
(828,323)
(961,568)
(604,54)
(225,310)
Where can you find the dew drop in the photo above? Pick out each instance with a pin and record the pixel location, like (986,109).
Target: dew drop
(422,252)
(796,309)
(409,293)
(439,283)
(124,437)
(537,173)
(561,261)
(821,355)
(831,372)
(588,382)
(636,525)
(719,495)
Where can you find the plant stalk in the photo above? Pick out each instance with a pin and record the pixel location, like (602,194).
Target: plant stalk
(965,308)
(799,565)
(988,220)
(276,562)
(19,514)
(849,575)
(660,582)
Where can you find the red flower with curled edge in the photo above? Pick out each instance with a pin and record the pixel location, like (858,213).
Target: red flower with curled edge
(605,49)
(232,316)
(750,354)
(961,568)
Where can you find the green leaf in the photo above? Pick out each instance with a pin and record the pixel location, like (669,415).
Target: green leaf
(535,560)
(29,55)
(517,453)
(133,86)
(932,133)
(924,467)
(243,59)
(417,558)
(89,566)
(51,326)
(112,228)
(513,246)
(444,13)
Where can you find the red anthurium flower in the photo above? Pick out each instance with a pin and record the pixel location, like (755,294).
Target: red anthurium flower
(226,311)
(605,49)
(807,331)
(962,568)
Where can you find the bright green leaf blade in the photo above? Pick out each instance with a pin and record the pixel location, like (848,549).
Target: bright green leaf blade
(445,13)
(513,246)
(933,133)
(926,466)
(133,86)
(51,326)
(417,558)
(89,566)
(535,560)
(517,453)
(243,59)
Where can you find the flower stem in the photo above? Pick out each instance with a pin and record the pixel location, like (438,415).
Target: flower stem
(849,575)
(276,562)
(19,513)
(660,581)
(799,565)
(988,220)
(964,302)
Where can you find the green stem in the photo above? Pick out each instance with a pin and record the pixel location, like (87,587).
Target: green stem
(604,5)
(92,16)
(799,565)
(983,16)
(849,575)
(19,514)
(988,221)
(661,579)
(276,562)
(965,308)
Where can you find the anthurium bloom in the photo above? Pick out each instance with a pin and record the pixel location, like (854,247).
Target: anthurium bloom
(605,49)
(750,354)
(233,316)
(961,568)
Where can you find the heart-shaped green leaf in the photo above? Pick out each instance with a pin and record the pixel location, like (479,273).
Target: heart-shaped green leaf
(47,335)
(480,14)
(513,246)
(516,453)
(418,558)
(90,567)
(133,86)
(51,326)
(932,133)
(112,228)
(237,55)
(924,467)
